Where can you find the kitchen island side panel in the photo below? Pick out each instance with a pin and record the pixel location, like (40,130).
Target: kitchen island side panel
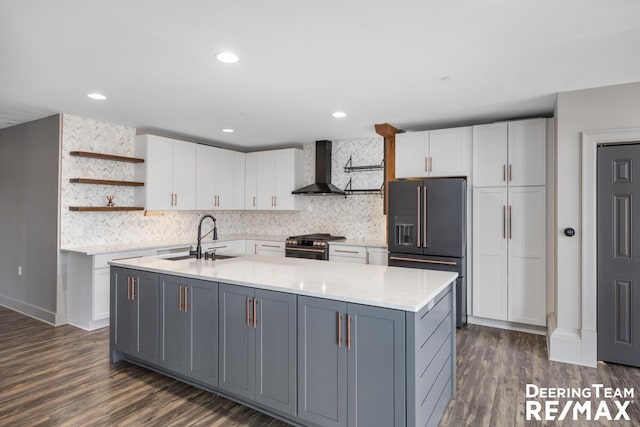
(431,359)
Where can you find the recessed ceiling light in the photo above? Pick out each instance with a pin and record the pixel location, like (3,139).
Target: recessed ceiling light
(339,114)
(97,96)
(445,78)
(227,57)
(228,130)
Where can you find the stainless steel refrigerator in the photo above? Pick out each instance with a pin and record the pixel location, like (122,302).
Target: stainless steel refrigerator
(427,229)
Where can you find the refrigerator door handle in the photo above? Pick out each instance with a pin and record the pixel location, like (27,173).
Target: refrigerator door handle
(424,261)
(424,216)
(418,216)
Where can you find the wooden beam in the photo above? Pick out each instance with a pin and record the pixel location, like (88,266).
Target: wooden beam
(388,132)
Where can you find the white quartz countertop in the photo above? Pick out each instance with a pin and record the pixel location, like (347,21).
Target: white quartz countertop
(406,289)
(164,244)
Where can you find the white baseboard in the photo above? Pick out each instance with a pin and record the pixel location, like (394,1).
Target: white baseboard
(573,346)
(512,326)
(92,326)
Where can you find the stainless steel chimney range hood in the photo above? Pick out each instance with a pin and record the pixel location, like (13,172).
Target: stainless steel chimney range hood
(323,185)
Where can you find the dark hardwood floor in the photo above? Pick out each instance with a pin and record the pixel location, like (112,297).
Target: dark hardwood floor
(62,377)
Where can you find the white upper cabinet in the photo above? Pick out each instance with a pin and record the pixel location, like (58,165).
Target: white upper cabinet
(289,176)
(412,154)
(271,176)
(266,177)
(450,151)
(509,153)
(436,153)
(251,181)
(169,173)
(220,178)
(527,152)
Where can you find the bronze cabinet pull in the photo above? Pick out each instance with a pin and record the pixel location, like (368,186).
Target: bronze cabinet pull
(254,201)
(255,314)
(186,299)
(426,164)
(348,332)
(128,287)
(180,303)
(248,302)
(504,172)
(511,172)
(339,329)
(133,288)
(504,221)
(345,252)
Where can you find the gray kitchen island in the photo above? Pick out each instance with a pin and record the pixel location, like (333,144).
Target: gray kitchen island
(313,343)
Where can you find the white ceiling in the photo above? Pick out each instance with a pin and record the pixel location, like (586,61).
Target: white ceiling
(300,60)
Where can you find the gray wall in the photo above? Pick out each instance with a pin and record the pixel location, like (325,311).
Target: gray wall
(29,164)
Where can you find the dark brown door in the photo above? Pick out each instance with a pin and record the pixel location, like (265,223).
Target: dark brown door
(619,254)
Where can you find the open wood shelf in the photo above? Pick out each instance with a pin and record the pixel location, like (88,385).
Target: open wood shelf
(106,182)
(348,168)
(348,191)
(105,208)
(106,156)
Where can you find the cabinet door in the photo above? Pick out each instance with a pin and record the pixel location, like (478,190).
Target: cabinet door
(159,179)
(276,350)
(449,152)
(287,178)
(184,175)
(411,155)
(172,324)
(146,298)
(205,177)
(266,179)
(237,352)
(490,252)
(224,185)
(238,181)
(322,361)
(527,152)
(125,325)
(251,181)
(490,155)
(527,255)
(376,366)
(202,332)
(100,300)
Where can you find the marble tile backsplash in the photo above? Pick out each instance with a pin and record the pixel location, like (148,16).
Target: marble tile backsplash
(356,217)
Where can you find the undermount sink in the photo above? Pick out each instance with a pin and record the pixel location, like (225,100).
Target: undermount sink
(218,256)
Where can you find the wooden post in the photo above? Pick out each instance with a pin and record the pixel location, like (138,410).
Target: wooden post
(388,132)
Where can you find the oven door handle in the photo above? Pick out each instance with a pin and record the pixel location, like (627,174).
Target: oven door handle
(320,251)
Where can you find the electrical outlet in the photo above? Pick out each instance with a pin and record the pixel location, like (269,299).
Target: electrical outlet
(19,270)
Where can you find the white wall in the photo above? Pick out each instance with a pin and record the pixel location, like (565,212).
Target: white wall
(357,217)
(612,107)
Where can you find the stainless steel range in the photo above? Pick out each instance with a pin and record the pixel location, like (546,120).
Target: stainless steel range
(310,246)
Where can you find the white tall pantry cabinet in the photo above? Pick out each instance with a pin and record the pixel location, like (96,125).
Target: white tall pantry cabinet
(509,221)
